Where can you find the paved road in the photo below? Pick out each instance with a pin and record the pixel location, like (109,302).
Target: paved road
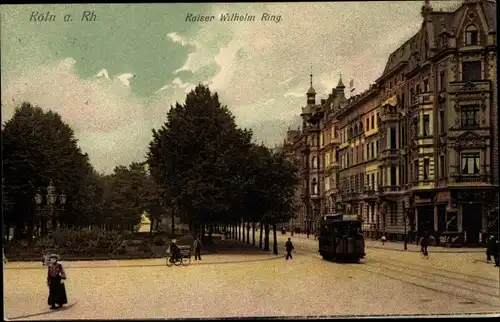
(387,282)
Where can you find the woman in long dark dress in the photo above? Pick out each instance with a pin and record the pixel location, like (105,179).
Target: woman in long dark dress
(57,291)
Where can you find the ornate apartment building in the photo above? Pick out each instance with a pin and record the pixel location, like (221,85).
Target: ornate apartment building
(417,151)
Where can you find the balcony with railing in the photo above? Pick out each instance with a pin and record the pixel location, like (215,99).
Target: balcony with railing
(370,192)
(425,98)
(350,195)
(390,189)
(470,179)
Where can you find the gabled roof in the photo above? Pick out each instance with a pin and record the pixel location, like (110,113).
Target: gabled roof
(490,9)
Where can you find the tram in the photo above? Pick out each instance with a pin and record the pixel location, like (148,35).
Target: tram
(340,238)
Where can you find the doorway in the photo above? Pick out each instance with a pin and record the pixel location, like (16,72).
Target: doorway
(471,222)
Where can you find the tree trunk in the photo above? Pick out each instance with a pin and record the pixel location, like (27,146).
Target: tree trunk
(210,231)
(151,224)
(253,233)
(173,223)
(248,233)
(261,233)
(266,237)
(243,232)
(275,246)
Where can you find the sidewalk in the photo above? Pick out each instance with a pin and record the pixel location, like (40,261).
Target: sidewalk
(399,246)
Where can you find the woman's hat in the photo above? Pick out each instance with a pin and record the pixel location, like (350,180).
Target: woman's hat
(54,256)
(174,240)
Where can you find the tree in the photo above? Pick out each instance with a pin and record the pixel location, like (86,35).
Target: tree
(195,158)
(274,189)
(126,196)
(39,147)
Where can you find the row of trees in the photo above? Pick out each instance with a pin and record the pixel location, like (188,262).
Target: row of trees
(37,148)
(211,173)
(200,165)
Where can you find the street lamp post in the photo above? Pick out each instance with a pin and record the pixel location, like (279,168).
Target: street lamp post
(404,216)
(38,201)
(51,199)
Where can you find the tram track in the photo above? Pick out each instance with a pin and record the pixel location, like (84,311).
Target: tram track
(422,277)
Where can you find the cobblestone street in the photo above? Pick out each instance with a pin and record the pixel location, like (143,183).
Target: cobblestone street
(387,282)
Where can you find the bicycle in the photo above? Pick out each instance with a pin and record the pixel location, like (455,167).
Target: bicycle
(170,262)
(184,257)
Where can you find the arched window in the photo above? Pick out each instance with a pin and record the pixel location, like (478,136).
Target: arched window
(314,186)
(314,162)
(471,35)
(360,126)
(356,129)
(350,133)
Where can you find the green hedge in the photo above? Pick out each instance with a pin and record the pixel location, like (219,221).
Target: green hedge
(85,242)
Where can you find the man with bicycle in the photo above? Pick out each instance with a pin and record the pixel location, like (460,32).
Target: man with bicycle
(174,250)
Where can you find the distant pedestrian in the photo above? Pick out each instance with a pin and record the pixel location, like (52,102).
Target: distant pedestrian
(384,239)
(424,243)
(57,290)
(289,247)
(197,249)
(490,248)
(496,252)
(4,257)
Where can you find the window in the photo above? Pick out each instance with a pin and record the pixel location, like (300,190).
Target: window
(393,138)
(367,123)
(403,135)
(376,148)
(469,116)
(426,85)
(373,122)
(314,186)
(418,89)
(373,149)
(393,213)
(426,169)
(471,70)
(403,100)
(314,162)
(374,184)
(441,122)
(441,166)
(415,169)
(412,96)
(427,125)
(471,35)
(368,181)
(393,176)
(442,81)
(470,163)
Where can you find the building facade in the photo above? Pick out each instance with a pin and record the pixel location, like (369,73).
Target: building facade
(418,151)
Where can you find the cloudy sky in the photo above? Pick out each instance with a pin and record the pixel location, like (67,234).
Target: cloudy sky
(113,79)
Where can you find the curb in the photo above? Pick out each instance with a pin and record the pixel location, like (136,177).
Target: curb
(433,251)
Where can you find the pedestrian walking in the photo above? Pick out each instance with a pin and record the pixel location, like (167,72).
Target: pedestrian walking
(57,290)
(424,243)
(197,249)
(384,239)
(289,247)
(490,248)
(496,252)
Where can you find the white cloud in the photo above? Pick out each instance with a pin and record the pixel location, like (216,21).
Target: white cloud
(292,94)
(112,124)
(103,73)
(286,81)
(176,38)
(125,78)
